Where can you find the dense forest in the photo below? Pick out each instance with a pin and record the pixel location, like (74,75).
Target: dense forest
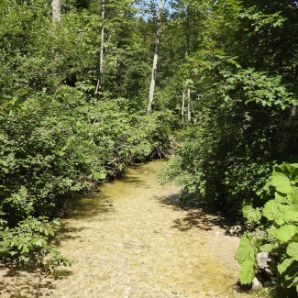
(88,87)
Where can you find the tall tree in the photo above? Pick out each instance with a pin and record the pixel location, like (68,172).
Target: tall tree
(156,54)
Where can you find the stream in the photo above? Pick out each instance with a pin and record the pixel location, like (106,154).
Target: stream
(132,240)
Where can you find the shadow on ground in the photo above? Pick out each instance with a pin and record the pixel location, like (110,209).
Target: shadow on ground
(200,217)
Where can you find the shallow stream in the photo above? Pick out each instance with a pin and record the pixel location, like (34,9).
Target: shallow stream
(133,240)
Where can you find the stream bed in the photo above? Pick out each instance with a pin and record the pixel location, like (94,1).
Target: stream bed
(133,240)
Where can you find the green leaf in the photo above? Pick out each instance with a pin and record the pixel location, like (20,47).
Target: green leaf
(4,252)
(99,175)
(292,250)
(289,213)
(281,198)
(245,251)
(25,250)
(39,243)
(247,272)
(285,265)
(294,198)
(251,214)
(281,182)
(285,233)
(267,247)
(271,210)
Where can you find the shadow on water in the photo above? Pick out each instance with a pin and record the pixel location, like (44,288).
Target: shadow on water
(97,202)
(26,287)
(67,233)
(133,175)
(89,206)
(201,217)
(132,179)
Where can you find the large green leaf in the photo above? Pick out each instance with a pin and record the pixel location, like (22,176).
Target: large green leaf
(271,210)
(281,182)
(286,233)
(247,272)
(292,250)
(288,213)
(285,265)
(245,251)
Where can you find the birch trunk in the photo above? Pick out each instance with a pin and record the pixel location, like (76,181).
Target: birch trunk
(56,10)
(186,85)
(187,33)
(155,58)
(183,106)
(188,104)
(100,75)
(294,111)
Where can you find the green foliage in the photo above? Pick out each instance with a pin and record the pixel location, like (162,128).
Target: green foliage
(238,61)
(231,148)
(241,57)
(56,145)
(28,244)
(56,137)
(279,223)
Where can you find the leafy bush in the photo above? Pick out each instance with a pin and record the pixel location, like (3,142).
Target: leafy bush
(29,243)
(237,134)
(52,146)
(274,229)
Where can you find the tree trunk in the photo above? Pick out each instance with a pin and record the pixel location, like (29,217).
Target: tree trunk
(183,106)
(187,33)
(100,73)
(294,111)
(188,104)
(186,85)
(56,10)
(155,58)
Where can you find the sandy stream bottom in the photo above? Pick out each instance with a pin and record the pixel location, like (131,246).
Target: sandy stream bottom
(136,243)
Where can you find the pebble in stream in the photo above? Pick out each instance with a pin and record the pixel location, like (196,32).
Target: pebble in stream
(136,243)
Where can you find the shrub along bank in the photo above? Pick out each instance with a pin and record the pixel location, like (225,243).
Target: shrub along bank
(52,146)
(57,134)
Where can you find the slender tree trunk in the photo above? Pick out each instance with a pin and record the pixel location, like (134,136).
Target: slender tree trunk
(56,10)
(294,111)
(155,57)
(188,104)
(186,85)
(183,106)
(187,33)
(100,72)
(187,52)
